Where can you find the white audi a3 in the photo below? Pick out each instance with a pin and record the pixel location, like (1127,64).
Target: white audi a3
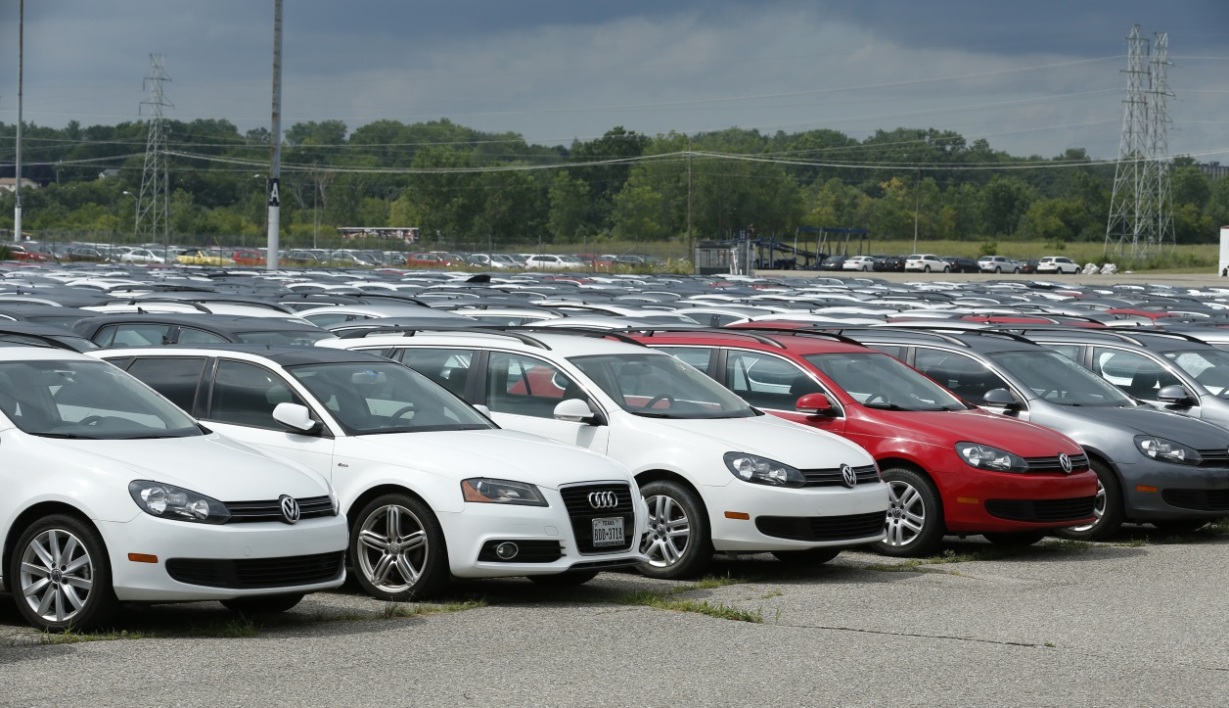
(112,494)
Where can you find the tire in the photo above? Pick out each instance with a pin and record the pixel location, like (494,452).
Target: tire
(419,551)
(1015,539)
(264,605)
(914,523)
(60,575)
(679,543)
(1107,509)
(564,580)
(926,269)
(809,557)
(1181,525)
(947,269)
(866,269)
(998,269)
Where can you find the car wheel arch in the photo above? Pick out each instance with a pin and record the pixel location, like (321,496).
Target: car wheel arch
(663,475)
(1095,455)
(898,461)
(34,513)
(380,490)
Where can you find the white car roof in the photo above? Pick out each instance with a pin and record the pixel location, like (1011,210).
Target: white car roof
(558,345)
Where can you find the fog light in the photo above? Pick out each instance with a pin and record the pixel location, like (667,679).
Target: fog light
(506,550)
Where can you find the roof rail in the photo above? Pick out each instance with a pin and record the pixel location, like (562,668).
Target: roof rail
(989,332)
(906,330)
(1113,333)
(650,331)
(41,340)
(412,331)
(747,330)
(578,331)
(137,302)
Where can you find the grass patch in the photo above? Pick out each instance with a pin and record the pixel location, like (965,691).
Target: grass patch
(72,636)
(990,553)
(228,629)
(664,601)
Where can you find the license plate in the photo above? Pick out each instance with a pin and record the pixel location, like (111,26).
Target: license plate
(608,532)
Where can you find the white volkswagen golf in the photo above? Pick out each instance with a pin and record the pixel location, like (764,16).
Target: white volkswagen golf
(717,474)
(431,487)
(112,494)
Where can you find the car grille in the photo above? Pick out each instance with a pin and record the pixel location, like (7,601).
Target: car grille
(1216,457)
(582,514)
(247,512)
(528,552)
(249,573)
(1200,499)
(823,528)
(1079,463)
(1042,509)
(831,477)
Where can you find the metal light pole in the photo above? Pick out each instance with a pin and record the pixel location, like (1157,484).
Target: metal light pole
(21,55)
(275,139)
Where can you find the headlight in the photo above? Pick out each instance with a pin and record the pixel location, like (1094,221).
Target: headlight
(501,491)
(1167,450)
(761,470)
(170,502)
(984,457)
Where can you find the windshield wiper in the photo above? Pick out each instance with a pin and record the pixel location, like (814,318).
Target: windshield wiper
(66,436)
(885,406)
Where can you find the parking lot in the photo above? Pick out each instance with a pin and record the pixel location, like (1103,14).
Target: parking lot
(1134,621)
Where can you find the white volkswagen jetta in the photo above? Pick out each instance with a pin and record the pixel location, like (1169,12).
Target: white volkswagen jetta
(717,474)
(112,494)
(431,487)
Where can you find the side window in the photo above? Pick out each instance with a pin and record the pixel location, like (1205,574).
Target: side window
(890,350)
(176,378)
(962,375)
(523,385)
(447,367)
(246,394)
(699,357)
(191,335)
(1136,374)
(1071,351)
(139,335)
(766,381)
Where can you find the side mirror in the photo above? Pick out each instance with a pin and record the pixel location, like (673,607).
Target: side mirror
(484,410)
(814,404)
(574,410)
(1174,395)
(1000,398)
(295,416)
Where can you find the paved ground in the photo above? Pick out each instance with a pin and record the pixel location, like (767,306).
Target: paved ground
(1139,621)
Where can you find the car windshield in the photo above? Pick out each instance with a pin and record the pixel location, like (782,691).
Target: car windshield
(1055,378)
(1209,367)
(660,386)
(88,400)
(369,398)
(879,381)
(301,337)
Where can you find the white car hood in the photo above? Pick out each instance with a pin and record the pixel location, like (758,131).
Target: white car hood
(775,438)
(209,464)
(500,454)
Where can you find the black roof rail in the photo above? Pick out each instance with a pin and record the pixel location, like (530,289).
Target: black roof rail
(1112,333)
(650,331)
(906,330)
(412,331)
(41,340)
(988,332)
(137,302)
(791,331)
(578,331)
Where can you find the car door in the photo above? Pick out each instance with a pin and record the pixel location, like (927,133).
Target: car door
(775,384)
(966,377)
(522,391)
(1137,375)
(240,402)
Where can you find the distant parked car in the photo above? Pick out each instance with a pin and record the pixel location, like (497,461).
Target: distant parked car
(21,253)
(862,263)
(200,256)
(998,264)
(960,264)
(555,262)
(925,263)
(833,263)
(1057,264)
(142,256)
(430,260)
(1029,266)
(889,264)
(250,257)
(86,254)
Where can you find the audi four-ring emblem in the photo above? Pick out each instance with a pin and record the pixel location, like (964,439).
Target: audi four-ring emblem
(1064,462)
(849,476)
(290,508)
(603,500)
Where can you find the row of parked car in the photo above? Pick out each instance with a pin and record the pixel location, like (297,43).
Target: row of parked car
(250,437)
(931,263)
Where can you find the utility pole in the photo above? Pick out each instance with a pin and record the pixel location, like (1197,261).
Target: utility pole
(1130,213)
(151,219)
(917,204)
(275,147)
(1158,140)
(21,56)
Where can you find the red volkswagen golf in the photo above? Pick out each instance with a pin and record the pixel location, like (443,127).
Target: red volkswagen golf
(950,467)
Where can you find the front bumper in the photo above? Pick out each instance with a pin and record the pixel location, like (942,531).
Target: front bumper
(976,501)
(544,536)
(206,547)
(1162,491)
(783,519)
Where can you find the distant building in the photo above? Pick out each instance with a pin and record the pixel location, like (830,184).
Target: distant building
(405,234)
(9,184)
(109,173)
(1214,170)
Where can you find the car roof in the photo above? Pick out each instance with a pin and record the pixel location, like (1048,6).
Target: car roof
(221,323)
(798,342)
(977,340)
(1135,337)
(563,342)
(281,354)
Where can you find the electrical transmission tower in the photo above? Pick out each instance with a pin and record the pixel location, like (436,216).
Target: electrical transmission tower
(1141,213)
(153,204)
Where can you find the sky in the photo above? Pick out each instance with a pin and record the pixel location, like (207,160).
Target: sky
(1032,77)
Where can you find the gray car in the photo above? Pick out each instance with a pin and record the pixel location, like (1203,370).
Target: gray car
(1153,466)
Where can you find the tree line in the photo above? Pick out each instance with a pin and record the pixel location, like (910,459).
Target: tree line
(462,186)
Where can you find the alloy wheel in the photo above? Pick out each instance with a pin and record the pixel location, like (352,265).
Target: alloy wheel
(392,548)
(1098,509)
(56,575)
(906,513)
(669,531)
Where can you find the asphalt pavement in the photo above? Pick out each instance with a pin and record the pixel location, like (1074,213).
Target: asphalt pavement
(1136,621)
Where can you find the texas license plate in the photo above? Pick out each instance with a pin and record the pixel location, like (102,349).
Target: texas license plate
(608,532)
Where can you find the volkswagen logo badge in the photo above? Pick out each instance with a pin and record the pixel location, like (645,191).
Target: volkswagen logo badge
(1064,462)
(603,500)
(849,476)
(290,508)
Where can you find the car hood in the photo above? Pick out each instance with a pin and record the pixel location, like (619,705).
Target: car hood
(503,454)
(1171,426)
(781,440)
(208,464)
(946,428)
